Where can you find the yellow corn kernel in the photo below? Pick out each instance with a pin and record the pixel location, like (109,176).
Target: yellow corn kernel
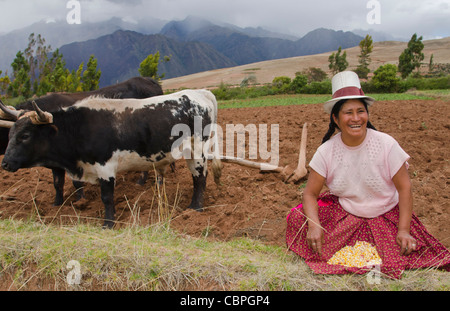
(360,255)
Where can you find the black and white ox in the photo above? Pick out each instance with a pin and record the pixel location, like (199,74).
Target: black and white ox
(97,138)
(136,87)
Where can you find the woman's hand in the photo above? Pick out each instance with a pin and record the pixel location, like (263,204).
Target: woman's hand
(403,185)
(314,238)
(406,242)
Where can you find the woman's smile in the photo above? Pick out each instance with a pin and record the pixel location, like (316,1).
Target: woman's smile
(352,122)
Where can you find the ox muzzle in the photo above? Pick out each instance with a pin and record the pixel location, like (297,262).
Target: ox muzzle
(10,166)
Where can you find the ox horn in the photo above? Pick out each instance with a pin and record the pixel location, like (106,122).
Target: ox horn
(42,116)
(6,124)
(8,113)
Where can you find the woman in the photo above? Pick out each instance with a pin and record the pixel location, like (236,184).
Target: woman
(369,197)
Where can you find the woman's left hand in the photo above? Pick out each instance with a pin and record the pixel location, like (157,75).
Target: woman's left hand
(406,242)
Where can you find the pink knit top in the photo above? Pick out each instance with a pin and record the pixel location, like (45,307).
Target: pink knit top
(361,176)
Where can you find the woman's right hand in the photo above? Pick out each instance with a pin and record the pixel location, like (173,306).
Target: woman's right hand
(314,238)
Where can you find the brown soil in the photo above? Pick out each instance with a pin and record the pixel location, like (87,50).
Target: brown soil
(248,202)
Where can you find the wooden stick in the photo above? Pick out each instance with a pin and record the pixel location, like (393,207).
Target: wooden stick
(262,166)
(287,173)
(301,170)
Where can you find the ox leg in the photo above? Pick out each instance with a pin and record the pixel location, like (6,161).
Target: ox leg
(199,173)
(199,190)
(107,194)
(79,192)
(58,183)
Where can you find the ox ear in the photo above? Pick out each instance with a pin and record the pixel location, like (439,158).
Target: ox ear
(42,117)
(8,113)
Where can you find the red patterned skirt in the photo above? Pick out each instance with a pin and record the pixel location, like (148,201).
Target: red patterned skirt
(343,229)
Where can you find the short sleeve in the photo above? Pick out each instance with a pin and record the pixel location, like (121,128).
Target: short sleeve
(396,158)
(318,163)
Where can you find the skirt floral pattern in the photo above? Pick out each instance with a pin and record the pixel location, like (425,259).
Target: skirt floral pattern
(343,229)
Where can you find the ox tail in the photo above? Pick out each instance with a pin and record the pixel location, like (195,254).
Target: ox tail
(216,163)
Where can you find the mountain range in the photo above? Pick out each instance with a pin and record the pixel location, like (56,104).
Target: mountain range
(194,45)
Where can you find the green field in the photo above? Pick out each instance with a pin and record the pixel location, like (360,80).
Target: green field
(301,99)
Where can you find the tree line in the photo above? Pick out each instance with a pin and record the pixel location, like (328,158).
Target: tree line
(37,70)
(410,59)
(385,78)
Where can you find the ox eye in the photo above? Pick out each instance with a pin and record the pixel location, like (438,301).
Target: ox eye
(25,136)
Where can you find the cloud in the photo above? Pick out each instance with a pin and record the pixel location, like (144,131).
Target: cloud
(400,18)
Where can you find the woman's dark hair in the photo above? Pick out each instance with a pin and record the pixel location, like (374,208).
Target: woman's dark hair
(335,111)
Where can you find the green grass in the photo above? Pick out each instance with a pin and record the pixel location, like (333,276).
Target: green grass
(156,258)
(301,99)
(443,94)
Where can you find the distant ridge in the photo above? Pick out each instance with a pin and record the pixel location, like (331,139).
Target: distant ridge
(119,55)
(239,46)
(195,45)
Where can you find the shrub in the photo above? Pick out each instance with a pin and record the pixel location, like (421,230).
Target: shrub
(280,81)
(298,83)
(323,87)
(385,79)
(313,74)
(424,83)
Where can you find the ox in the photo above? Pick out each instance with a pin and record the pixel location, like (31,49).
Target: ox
(137,87)
(97,138)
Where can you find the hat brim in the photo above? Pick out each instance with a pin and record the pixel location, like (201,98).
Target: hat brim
(328,106)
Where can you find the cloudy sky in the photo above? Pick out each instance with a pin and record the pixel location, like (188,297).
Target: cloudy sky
(399,18)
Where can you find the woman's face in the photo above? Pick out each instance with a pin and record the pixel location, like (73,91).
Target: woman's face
(352,121)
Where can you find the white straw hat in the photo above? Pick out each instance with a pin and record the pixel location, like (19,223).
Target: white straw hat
(346,85)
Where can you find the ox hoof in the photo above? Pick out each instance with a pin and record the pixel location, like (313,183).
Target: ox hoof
(58,203)
(196,208)
(108,224)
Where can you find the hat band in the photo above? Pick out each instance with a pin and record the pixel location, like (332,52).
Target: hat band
(348,91)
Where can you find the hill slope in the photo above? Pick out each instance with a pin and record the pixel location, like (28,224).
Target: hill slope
(383,52)
(120,54)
